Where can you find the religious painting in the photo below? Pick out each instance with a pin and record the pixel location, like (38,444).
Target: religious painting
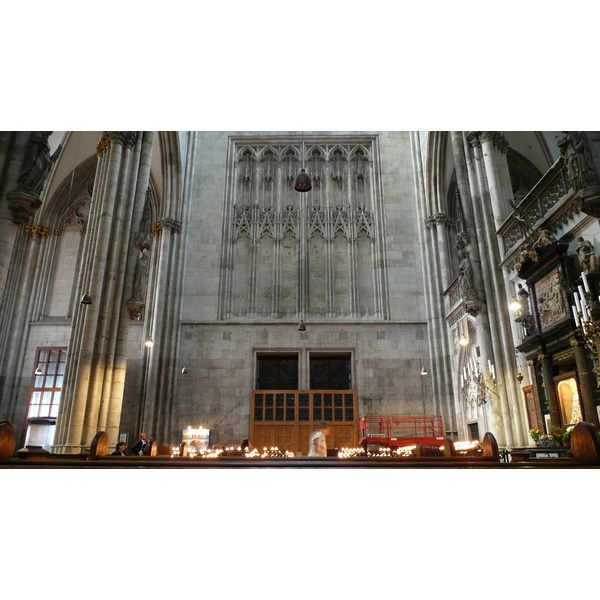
(550,304)
(531,410)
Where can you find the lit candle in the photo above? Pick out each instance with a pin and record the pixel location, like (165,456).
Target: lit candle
(585,281)
(576,317)
(584,312)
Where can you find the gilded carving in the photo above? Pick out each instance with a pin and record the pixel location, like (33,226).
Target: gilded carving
(40,231)
(103,145)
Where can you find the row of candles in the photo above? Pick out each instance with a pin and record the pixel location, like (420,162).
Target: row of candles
(232,452)
(460,447)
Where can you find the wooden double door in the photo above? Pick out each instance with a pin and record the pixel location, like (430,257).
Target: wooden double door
(286,418)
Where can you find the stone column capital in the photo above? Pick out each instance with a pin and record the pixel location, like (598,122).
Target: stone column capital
(474,139)
(166,223)
(125,138)
(438,219)
(496,138)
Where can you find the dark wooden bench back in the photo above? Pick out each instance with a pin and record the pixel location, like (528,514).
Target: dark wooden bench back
(585,442)
(99,446)
(490,447)
(8,440)
(449,449)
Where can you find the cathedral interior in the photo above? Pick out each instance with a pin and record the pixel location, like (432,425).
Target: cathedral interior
(160,281)
(174,278)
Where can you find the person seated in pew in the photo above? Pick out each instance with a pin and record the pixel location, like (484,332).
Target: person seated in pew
(120,449)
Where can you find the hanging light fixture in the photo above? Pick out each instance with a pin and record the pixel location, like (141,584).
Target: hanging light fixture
(303,183)
(184,371)
(149,342)
(301,326)
(86,298)
(514,304)
(423,371)
(464,340)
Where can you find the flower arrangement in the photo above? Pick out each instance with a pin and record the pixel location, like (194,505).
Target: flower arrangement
(536,435)
(557,434)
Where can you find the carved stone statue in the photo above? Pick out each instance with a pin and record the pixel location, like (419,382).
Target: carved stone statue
(580,167)
(465,275)
(587,257)
(524,255)
(140,276)
(523,300)
(37,163)
(545,238)
(24,201)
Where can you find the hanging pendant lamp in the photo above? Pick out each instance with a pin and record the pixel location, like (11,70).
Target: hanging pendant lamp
(303,183)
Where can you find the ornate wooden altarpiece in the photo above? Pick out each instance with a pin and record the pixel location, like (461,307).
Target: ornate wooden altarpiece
(549,328)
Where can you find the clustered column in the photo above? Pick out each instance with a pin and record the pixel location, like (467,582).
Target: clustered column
(88,400)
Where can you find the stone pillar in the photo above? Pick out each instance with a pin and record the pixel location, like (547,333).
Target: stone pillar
(33,237)
(90,359)
(585,383)
(437,332)
(500,331)
(546,361)
(494,148)
(110,414)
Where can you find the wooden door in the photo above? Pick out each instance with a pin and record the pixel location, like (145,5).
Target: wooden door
(285,419)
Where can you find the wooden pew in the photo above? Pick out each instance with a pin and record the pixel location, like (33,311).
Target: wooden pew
(8,440)
(585,443)
(99,446)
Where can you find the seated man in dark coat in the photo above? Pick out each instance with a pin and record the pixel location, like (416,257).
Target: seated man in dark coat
(141,446)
